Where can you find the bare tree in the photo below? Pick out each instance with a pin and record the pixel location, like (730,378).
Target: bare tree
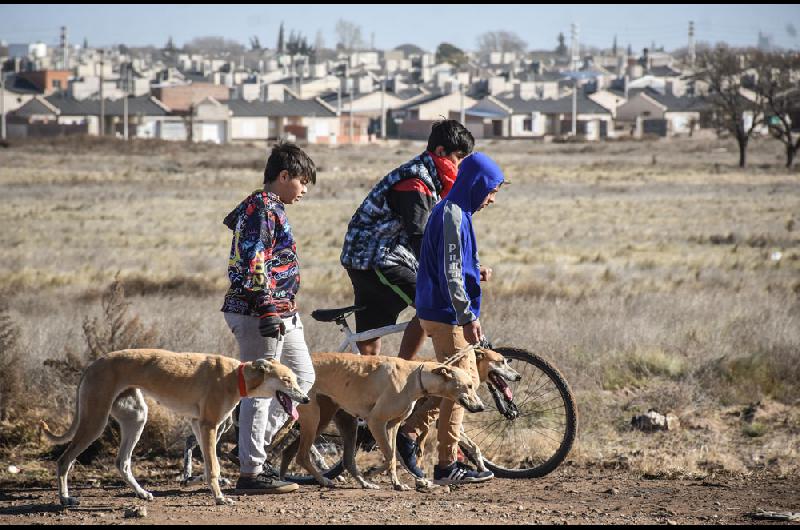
(500,41)
(348,36)
(280,45)
(777,81)
(722,70)
(319,41)
(212,44)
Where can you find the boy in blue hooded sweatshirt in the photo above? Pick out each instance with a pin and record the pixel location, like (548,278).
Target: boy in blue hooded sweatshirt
(449,298)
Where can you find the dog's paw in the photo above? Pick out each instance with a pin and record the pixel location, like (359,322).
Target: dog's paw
(225,483)
(401,487)
(369,485)
(70,501)
(424,485)
(327,483)
(224,501)
(144,495)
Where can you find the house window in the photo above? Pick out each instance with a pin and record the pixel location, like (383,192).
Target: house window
(646,113)
(57,84)
(527,125)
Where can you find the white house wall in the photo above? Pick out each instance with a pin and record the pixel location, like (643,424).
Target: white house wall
(250,128)
(434,110)
(638,107)
(321,130)
(518,125)
(12,101)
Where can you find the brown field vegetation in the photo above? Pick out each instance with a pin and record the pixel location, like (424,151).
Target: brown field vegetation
(654,274)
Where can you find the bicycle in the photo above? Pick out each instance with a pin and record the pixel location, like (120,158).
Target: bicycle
(526,431)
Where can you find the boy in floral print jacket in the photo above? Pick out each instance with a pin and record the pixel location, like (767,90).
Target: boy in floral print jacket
(260,306)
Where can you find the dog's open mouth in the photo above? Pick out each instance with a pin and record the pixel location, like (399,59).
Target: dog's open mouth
(501,385)
(287,404)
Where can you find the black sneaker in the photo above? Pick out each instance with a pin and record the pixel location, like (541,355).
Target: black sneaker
(458,473)
(407,449)
(264,484)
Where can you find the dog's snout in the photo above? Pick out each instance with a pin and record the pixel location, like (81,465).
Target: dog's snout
(305,400)
(472,405)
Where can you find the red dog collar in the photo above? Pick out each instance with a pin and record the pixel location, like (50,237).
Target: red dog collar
(242,384)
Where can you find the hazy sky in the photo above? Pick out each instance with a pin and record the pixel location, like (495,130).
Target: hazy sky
(424,25)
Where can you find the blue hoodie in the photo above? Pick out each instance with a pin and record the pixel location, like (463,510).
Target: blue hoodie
(448,280)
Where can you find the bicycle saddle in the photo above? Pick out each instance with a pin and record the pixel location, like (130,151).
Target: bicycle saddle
(332,315)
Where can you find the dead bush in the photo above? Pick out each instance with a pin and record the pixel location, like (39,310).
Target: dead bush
(11,372)
(116,329)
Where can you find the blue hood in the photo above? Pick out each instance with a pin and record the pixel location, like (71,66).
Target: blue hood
(478,175)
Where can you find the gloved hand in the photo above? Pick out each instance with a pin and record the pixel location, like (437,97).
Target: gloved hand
(271,325)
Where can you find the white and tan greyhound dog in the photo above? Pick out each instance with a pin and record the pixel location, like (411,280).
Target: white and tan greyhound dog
(382,391)
(203,387)
(493,369)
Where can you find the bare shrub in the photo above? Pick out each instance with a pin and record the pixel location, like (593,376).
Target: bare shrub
(116,329)
(11,372)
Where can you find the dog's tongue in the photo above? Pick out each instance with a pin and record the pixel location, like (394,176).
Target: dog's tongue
(294,413)
(503,387)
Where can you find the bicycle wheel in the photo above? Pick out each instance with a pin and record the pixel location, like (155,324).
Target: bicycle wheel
(537,438)
(326,453)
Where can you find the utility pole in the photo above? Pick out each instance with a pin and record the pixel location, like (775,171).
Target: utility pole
(351,113)
(692,50)
(294,76)
(383,104)
(339,99)
(129,70)
(575,60)
(102,101)
(463,110)
(2,105)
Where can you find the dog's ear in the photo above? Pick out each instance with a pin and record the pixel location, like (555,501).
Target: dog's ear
(262,365)
(479,354)
(444,371)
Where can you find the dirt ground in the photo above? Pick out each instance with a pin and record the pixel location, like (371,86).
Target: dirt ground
(571,495)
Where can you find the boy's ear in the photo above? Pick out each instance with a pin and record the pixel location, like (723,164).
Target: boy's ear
(443,371)
(284,175)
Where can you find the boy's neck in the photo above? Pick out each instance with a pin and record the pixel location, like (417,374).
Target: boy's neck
(270,189)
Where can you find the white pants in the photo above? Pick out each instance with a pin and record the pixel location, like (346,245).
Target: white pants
(261,418)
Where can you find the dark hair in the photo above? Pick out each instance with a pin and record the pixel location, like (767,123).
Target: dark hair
(288,156)
(451,135)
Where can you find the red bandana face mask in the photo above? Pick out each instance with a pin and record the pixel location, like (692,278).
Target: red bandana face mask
(447,171)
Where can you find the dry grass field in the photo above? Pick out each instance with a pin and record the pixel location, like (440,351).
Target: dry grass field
(655,274)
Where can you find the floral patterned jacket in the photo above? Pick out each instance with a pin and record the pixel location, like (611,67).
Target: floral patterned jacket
(263,267)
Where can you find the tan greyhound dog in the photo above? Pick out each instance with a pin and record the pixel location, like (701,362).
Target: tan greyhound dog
(492,368)
(382,390)
(203,387)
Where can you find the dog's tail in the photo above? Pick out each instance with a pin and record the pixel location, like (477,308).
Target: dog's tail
(70,434)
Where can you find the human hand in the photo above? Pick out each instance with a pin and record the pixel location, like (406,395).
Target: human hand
(271,326)
(486,274)
(472,332)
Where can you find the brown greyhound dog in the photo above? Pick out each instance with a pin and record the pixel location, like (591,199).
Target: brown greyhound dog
(203,387)
(382,390)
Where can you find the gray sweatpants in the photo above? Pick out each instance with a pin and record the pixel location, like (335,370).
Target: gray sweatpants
(261,418)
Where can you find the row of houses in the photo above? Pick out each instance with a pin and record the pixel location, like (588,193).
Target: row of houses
(209,120)
(599,115)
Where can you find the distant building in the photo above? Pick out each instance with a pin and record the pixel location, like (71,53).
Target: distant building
(181,98)
(48,81)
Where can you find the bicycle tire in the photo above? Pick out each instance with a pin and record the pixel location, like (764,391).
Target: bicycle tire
(308,480)
(570,413)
